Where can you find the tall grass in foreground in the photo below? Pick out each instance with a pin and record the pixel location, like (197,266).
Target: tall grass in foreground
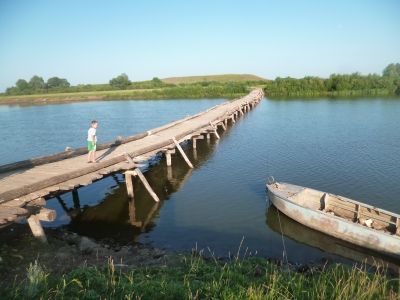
(196,278)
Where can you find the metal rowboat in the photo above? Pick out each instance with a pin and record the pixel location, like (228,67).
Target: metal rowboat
(337,216)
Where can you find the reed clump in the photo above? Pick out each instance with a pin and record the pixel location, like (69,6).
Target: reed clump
(196,277)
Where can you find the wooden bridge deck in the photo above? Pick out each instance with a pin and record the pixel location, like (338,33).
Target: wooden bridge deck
(23,190)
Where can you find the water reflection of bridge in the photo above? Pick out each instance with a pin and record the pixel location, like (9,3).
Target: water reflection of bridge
(26,185)
(123,217)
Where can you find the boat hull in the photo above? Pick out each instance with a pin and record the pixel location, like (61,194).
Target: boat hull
(337,227)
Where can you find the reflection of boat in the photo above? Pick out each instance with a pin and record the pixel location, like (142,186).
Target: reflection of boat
(340,217)
(305,235)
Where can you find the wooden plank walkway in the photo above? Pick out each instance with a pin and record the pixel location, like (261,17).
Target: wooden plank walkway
(23,190)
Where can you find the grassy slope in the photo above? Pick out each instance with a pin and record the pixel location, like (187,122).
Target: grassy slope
(219,78)
(192,277)
(184,92)
(190,89)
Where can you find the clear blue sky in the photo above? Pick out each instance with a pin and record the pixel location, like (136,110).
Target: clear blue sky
(93,41)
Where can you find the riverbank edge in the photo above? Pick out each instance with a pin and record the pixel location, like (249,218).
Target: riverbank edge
(72,266)
(150,94)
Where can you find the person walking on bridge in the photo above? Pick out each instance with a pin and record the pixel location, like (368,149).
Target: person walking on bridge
(92,141)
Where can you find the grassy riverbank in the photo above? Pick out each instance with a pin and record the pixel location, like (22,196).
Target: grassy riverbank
(192,277)
(214,86)
(74,267)
(205,90)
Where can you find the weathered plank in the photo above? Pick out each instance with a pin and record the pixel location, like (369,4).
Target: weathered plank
(146,185)
(182,153)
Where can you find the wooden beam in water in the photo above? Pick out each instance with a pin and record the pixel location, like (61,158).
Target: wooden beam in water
(194,143)
(215,130)
(146,184)
(35,226)
(195,138)
(182,153)
(129,183)
(222,125)
(168,158)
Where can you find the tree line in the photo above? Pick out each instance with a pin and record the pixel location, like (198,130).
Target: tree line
(37,85)
(338,84)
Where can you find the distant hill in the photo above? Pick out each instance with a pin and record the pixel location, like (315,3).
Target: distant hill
(223,78)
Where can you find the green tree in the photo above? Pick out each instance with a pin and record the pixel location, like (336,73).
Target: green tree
(392,70)
(56,82)
(22,86)
(120,82)
(37,83)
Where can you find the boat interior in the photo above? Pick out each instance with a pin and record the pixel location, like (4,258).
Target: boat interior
(353,211)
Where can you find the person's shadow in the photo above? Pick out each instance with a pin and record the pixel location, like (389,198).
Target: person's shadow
(107,153)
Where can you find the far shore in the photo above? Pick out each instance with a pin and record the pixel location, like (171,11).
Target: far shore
(137,94)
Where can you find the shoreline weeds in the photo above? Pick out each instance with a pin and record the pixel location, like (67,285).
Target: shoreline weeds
(71,265)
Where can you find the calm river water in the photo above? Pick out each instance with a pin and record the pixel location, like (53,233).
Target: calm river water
(346,147)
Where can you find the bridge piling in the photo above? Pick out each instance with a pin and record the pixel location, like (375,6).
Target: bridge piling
(182,153)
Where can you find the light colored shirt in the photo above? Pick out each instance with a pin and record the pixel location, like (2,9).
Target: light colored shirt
(92,135)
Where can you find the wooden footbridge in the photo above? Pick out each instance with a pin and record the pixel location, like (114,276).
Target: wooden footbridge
(25,185)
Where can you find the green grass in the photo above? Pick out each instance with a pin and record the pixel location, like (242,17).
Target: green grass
(192,277)
(213,90)
(216,78)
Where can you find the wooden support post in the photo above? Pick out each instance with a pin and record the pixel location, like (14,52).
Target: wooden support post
(168,158)
(226,122)
(182,153)
(194,143)
(146,185)
(129,183)
(233,119)
(214,130)
(34,222)
(241,112)
(223,126)
(208,136)
(195,138)
(398,226)
(36,228)
(357,211)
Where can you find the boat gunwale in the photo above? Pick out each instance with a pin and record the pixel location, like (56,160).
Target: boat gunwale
(343,198)
(393,235)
